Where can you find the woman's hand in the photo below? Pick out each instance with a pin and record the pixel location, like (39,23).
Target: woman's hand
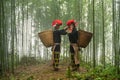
(69,30)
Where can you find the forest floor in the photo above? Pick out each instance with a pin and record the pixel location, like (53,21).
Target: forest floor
(42,72)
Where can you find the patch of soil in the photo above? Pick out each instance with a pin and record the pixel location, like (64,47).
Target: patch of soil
(41,72)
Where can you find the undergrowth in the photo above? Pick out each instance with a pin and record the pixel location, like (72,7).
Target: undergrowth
(98,73)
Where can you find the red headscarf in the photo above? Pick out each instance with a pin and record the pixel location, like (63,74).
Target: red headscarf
(69,22)
(56,22)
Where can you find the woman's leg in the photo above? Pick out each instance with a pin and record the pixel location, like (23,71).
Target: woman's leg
(56,60)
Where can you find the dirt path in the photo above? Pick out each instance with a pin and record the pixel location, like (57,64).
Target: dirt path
(40,72)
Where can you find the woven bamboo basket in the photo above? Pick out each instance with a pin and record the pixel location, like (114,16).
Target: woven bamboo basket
(46,38)
(84,38)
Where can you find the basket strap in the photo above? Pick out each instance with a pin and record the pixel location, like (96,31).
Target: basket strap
(56,43)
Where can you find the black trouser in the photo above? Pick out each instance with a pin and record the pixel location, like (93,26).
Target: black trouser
(56,56)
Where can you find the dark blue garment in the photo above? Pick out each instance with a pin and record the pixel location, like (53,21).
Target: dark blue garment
(71,49)
(73,37)
(57,38)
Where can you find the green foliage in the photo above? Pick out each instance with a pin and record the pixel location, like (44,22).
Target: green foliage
(68,72)
(30,78)
(101,73)
(77,76)
(98,73)
(56,79)
(7,76)
(12,77)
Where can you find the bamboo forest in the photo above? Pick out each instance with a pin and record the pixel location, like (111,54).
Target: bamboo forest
(23,55)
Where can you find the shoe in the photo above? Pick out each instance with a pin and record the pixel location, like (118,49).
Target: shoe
(74,69)
(77,67)
(56,69)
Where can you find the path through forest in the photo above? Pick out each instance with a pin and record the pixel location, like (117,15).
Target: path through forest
(42,72)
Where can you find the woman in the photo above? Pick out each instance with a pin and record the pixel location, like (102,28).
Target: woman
(73,38)
(57,40)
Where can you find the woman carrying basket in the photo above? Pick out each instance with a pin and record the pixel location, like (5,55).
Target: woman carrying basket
(73,38)
(57,40)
